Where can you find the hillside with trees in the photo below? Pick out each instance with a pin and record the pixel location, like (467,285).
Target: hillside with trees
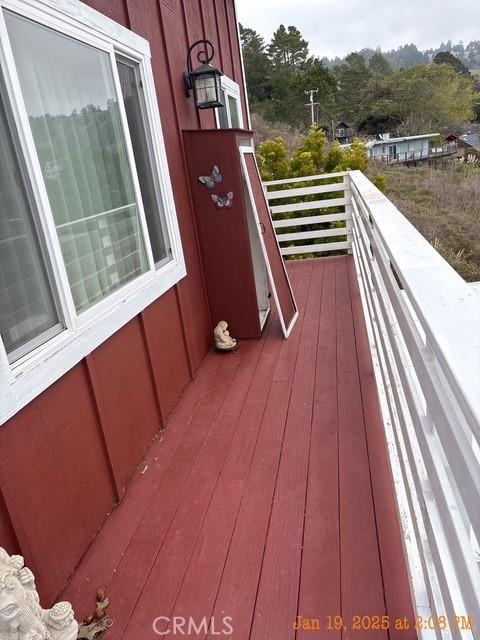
(402,92)
(408,55)
(433,92)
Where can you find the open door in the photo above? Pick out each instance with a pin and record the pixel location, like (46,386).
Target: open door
(277,273)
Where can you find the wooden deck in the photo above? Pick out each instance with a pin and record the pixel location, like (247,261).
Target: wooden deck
(269,495)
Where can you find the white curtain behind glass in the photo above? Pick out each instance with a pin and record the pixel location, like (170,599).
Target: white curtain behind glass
(133,101)
(233,106)
(72,106)
(27,308)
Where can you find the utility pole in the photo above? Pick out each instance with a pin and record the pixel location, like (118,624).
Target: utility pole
(311,103)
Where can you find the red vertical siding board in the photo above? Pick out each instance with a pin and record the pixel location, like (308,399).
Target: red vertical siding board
(114,9)
(207,117)
(163,332)
(219,42)
(191,25)
(101,412)
(224,38)
(54,480)
(8,539)
(239,71)
(146,20)
(126,397)
(232,34)
(154,21)
(151,368)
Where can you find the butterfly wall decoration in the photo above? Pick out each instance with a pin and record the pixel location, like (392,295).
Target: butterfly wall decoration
(224,201)
(213,179)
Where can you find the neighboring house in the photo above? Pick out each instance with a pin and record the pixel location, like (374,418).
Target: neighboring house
(343,133)
(466,142)
(104,312)
(398,150)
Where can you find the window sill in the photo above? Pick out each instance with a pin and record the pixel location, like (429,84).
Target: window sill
(23,381)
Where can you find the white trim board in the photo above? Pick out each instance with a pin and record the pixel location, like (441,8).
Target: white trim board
(286,330)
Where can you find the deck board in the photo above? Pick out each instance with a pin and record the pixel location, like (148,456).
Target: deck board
(319,594)
(259,502)
(358,536)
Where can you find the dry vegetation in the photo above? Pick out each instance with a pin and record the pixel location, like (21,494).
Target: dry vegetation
(264,130)
(444,205)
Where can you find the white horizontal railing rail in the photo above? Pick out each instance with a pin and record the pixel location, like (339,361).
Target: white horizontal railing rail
(424,325)
(310,206)
(423,321)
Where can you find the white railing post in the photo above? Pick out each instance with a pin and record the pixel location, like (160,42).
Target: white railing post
(349,211)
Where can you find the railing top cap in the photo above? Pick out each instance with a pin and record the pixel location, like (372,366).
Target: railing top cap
(447,306)
(320,176)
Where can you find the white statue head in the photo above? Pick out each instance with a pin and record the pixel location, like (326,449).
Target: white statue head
(20,613)
(21,616)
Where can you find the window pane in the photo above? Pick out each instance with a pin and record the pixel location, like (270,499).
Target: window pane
(222,113)
(72,106)
(134,107)
(27,308)
(233,106)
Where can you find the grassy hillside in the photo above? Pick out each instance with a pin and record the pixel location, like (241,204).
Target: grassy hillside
(444,206)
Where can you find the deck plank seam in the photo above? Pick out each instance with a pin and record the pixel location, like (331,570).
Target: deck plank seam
(300,329)
(324,268)
(362,396)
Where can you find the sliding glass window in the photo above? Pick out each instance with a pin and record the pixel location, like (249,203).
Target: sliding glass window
(140,135)
(69,92)
(28,310)
(230,115)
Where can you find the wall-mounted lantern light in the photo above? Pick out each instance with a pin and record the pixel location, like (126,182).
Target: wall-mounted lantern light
(204,81)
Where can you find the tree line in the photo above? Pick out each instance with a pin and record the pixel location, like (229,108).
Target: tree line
(408,55)
(365,92)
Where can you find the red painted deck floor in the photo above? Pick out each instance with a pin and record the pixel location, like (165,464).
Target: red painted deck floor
(268,496)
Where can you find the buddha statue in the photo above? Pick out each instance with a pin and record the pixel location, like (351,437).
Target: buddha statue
(223,340)
(21,616)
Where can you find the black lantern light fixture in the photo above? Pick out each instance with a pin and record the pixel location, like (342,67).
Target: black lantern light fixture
(204,81)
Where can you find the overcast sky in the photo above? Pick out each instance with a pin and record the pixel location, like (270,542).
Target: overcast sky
(332,27)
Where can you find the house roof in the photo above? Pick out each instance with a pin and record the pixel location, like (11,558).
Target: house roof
(472,139)
(374,143)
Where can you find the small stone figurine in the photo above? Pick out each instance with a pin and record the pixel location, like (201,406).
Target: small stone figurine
(21,616)
(223,340)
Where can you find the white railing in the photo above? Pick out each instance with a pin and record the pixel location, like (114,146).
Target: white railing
(423,321)
(297,200)
(400,157)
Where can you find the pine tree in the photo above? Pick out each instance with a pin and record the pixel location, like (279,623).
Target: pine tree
(257,65)
(352,78)
(288,48)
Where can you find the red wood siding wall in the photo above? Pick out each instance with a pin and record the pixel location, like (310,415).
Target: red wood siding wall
(65,459)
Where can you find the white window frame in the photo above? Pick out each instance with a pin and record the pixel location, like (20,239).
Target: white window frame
(26,378)
(231,89)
